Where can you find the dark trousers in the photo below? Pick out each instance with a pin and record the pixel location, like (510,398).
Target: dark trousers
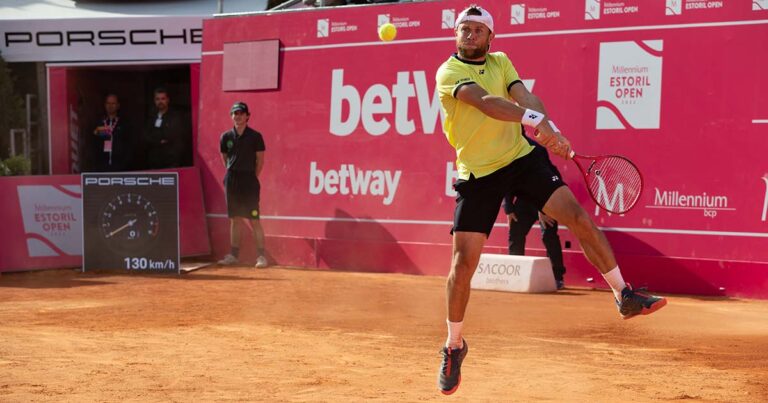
(527,215)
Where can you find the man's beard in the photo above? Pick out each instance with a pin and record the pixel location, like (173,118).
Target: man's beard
(471,54)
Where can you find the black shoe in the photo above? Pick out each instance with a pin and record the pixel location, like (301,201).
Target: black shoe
(450,369)
(560,284)
(638,302)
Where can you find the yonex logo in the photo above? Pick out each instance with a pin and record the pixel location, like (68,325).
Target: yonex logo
(230,144)
(555,178)
(482,71)
(532,116)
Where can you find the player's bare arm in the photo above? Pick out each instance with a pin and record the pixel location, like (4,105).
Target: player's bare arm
(224,159)
(496,107)
(547,136)
(502,108)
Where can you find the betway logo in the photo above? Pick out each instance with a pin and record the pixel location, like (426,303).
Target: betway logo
(348,180)
(378,103)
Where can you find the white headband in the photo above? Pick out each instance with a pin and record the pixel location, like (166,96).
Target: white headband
(483,18)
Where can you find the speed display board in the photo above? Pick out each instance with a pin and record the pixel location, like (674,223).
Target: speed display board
(131,222)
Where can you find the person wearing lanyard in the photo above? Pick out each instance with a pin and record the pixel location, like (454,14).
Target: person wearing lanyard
(111,150)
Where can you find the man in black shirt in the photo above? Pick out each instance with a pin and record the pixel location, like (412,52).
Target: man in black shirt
(242,151)
(165,134)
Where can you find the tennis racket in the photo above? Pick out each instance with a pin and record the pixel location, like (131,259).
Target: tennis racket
(614,182)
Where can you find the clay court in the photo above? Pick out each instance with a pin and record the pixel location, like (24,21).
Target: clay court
(237,334)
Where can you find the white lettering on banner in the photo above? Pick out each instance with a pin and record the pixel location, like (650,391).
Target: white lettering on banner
(629,85)
(348,180)
(52,219)
(765,201)
(377,100)
(673,199)
(130,181)
(450,178)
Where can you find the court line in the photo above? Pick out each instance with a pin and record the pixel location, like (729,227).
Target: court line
(756,121)
(435,222)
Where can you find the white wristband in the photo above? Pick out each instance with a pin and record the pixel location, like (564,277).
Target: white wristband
(532,118)
(554,128)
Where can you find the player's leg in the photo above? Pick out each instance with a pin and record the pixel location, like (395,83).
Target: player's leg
(476,209)
(563,207)
(467,247)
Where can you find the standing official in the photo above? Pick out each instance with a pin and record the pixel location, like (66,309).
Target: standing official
(113,145)
(165,134)
(242,152)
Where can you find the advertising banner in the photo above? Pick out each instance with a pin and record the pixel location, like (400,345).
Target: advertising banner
(99,39)
(355,149)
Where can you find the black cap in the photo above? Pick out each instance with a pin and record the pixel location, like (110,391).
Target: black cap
(239,106)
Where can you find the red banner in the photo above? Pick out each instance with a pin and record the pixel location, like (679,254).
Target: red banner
(355,150)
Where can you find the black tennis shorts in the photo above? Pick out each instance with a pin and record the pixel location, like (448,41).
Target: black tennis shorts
(531,178)
(243,192)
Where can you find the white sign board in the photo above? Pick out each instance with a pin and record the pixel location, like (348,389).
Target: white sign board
(514,273)
(101,39)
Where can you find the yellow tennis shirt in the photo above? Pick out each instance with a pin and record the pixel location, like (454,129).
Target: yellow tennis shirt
(483,144)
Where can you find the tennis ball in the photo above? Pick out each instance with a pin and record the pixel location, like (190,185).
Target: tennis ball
(387,32)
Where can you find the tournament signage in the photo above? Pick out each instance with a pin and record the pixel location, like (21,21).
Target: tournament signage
(86,39)
(131,222)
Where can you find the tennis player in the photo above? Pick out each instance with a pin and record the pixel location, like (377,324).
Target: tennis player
(479,94)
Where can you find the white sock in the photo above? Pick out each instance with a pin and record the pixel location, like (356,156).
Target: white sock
(454,334)
(616,282)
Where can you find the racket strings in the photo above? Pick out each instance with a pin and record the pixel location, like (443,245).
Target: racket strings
(616,182)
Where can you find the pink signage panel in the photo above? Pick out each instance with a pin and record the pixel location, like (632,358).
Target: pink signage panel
(355,149)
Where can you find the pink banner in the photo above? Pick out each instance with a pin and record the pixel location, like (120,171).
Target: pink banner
(356,154)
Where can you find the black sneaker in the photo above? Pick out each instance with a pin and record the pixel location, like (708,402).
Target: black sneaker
(450,369)
(638,302)
(560,284)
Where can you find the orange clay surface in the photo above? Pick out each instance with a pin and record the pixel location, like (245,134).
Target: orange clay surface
(241,334)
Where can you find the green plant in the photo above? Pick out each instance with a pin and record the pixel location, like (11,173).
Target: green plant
(11,107)
(18,165)
(4,171)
